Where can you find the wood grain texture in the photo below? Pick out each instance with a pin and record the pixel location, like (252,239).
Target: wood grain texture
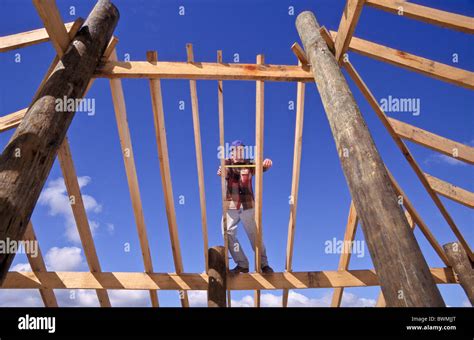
(397,257)
(29,155)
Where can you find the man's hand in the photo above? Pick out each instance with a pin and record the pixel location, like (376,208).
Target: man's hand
(219,171)
(267,163)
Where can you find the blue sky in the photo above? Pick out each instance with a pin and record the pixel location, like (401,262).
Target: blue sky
(246,28)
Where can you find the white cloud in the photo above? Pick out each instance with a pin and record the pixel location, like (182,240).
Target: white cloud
(64,259)
(130,298)
(440,158)
(77,298)
(20,298)
(199,299)
(21,267)
(55,197)
(88,298)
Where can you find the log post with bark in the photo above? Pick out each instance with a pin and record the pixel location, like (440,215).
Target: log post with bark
(29,155)
(216,292)
(403,273)
(462,266)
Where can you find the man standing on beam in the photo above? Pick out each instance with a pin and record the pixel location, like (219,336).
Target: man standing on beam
(240,205)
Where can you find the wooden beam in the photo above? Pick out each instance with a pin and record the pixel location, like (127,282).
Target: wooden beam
(173,281)
(430,68)
(120,109)
(216,290)
(299,53)
(295,178)
(426,14)
(198,150)
(259,128)
(220,105)
(162,145)
(349,235)
(80,215)
(347,26)
(60,39)
(202,71)
(462,267)
(418,220)
(407,154)
(451,191)
(49,13)
(12,120)
(37,265)
(401,145)
(29,38)
(434,142)
(75,28)
(395,253)
(39,135)
(381,300)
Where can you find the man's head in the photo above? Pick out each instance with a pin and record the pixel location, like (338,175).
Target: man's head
(237,150)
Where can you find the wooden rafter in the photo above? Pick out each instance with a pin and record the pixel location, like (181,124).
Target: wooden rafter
(120,109)
(49,13)
(29,38)
(427,14)
(451,191)
(259,128)
(37,265)
(12,120)
(220,105)
(433,141)
(162,145)
(300,54)
(80,215)
(173,281)
(198,146)
(412,62)
(349,235)
(295,178)
(347,25)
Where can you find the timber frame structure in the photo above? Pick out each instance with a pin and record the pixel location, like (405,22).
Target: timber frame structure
(340,42)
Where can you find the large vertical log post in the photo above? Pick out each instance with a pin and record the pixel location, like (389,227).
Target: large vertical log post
(462,266)
(29,155)
(403,273)
(216,292)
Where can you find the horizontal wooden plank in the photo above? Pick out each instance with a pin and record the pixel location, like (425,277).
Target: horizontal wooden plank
(24,39)
(451,191)
(172,281)
(412,62)
(12,120)
(204,71)
(426,14)
(433,141)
